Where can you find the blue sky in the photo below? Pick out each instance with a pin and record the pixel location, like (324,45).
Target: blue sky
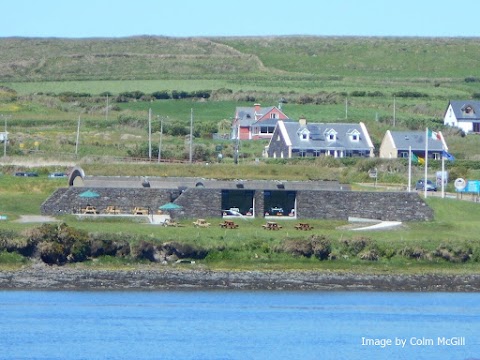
(184,18)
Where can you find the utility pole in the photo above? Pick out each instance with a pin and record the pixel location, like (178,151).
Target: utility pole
(394,110)
(78,137)
(106,110)
(160,142)
(150,134)
(346,108)
(191,134)
(5,136)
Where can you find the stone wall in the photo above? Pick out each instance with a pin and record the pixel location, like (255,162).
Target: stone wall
(207,203)
(393,206)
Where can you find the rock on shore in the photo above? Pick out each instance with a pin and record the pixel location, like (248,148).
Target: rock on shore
(63,278)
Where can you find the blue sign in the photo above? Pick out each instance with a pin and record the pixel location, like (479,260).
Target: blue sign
(473,186)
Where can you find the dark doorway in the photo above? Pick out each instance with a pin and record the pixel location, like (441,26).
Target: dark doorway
(238,202)
(279,203)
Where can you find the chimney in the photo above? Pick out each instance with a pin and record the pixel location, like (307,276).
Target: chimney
(302,121)
(257,108)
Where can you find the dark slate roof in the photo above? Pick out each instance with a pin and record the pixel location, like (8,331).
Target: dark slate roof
(415,139)
(318,140)
(459,105)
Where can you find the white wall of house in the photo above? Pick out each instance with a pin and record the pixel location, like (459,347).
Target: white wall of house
(451,120)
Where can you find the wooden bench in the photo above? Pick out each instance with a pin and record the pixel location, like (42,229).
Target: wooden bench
(89,210)
(201,223)
(303,226)
(173,223)
(270,225)
(112,210)
(228,224)
(140,211)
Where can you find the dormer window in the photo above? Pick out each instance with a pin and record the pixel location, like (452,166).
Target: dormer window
(331,135)
(353,135)
(304,134)
(468,110)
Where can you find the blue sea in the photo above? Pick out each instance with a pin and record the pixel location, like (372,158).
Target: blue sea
(238,325)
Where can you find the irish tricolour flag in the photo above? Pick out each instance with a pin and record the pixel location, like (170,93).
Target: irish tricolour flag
(433,135)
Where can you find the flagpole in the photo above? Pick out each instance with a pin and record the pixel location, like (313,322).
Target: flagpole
(426,164)
(443,165)
(409,187)
(443,174)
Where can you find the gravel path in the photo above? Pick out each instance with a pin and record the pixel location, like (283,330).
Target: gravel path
(35,219)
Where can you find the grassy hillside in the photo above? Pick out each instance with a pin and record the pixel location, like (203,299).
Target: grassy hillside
(288,63)
(323,78)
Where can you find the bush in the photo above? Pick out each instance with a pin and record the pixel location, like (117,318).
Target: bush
(298,248)
(144,251)
(355,246)
(183,251)
(58,244)
(456,253)
(161,95)
(413,252)
(322,247)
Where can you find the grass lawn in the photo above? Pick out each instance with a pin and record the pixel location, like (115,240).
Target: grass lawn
(251,247)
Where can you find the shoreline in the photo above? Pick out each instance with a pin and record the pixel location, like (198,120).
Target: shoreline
(60,278)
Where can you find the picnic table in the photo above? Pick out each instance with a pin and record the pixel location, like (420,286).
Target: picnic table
(111,209)
(303,226)
(229,224)
(271,225)
(90,210)
(201,223)
(140,211)
(170,222)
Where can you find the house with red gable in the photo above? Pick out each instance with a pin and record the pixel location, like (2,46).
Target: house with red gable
(255,123)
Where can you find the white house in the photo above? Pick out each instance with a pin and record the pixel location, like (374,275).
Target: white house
(463,114)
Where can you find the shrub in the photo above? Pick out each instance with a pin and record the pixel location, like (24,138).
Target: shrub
(322,247)
(184,250)
(164,95)
(144,251)
(298,248)
(453,252)
(58,244)
(355,246)
(413,252)
(370,255)
(108,247)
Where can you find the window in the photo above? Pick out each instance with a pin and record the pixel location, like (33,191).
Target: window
(331,137)
(317,153)
(304,135)
(404,154)
(436,156)
(273,115)
(267,129)
(302,153)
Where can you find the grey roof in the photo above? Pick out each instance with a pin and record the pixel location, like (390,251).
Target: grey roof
(318,140)
(184,182)
(246,116)
(416,139)
(459,105)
